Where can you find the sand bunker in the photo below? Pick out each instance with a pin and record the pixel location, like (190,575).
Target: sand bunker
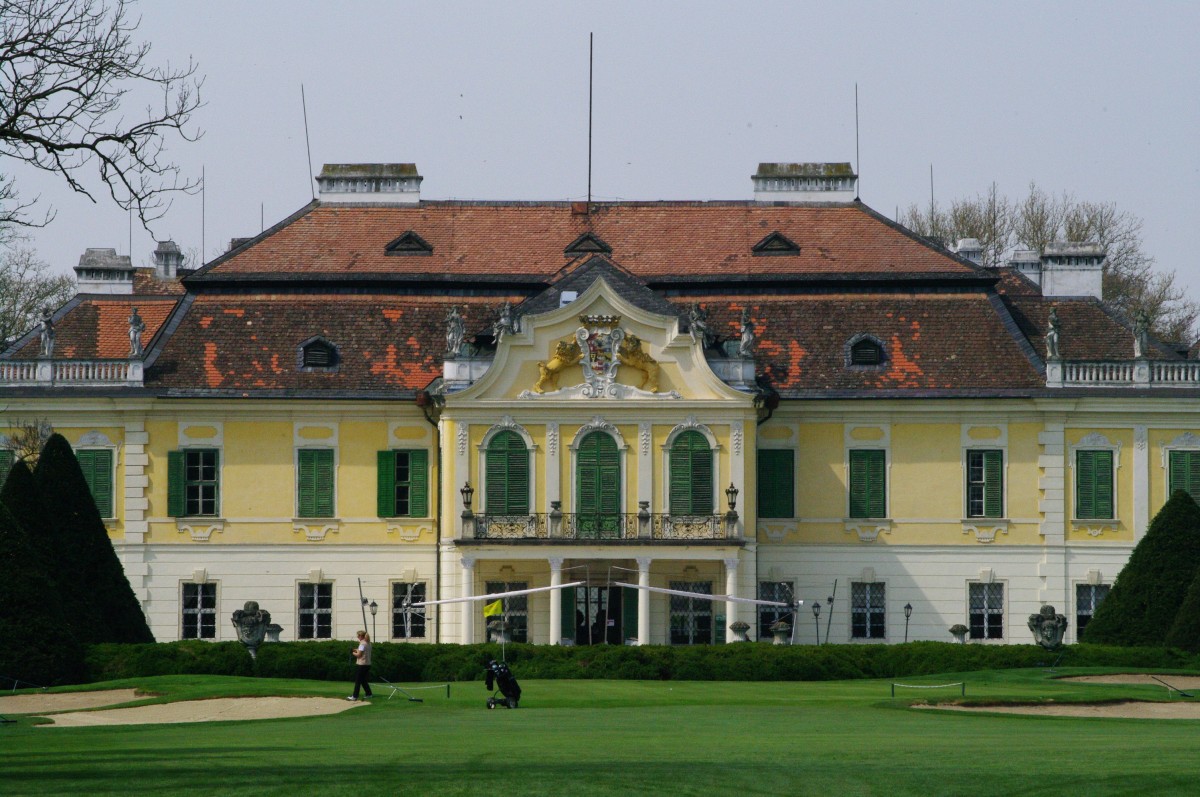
(222,709)
(1177,681)
(43,702)
(1131,710)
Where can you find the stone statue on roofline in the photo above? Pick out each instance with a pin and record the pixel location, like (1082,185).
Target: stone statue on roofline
(1052,336)
(456,330)
(749,340)
(506,324)
(136,327)
(47,333)
(1141,334)
(698,325)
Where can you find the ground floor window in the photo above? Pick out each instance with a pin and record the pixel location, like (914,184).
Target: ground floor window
(199,604)
(768,615)
(691,618)
(1088,598)
(516,608)
(868,617)
(408,622)
(987,611)
(316,611)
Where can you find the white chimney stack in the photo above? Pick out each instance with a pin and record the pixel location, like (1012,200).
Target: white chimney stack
(1073,269)
(104,271)
(971,249)
(804,182)
(370,183)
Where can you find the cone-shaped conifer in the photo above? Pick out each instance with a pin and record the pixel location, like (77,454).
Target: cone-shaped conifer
(103,604)
(1185,631)
(1142,605)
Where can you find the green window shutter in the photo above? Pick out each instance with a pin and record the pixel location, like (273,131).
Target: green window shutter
(175,485)
(629,612)
(993,484)
(776,483)
(691,489)
(315,483)
(418,498)
(1185,472)
(324,482)
(567,598)
(96,465)
(385,483)
(868,496)
(1085,484)
(507,474)
(599,475)
(1104,484)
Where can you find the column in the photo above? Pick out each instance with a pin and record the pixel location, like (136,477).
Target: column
(731,588)
(467,590)
(555,634)
(643,564)
(1141,483)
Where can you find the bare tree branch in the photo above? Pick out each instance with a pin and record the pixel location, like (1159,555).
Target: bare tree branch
(26,286)
(68,69)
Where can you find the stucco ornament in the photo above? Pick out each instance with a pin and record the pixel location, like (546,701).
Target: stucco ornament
(566,354)
(1048,628)
(630,353)
(1052,336)
(136,327)
(47,333)
(600,347)
(456,330)
(251,624)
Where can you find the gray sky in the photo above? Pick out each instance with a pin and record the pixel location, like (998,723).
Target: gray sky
(490,101)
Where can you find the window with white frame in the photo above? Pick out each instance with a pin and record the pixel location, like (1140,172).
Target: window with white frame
(315,612)
(691,618)
(1184,472)
(97,467)
(986,610)
(515,608)
(868,617)
(781,591)
(1094,484)
(199,611)
(985,483)
(408,622)
(193,482)
(1088,598)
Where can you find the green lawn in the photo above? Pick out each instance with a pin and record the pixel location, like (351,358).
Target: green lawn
(620,737)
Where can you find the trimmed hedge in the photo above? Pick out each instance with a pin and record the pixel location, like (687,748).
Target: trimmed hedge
(407,663)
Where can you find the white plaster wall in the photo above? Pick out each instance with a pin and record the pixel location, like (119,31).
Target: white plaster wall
(1058,280)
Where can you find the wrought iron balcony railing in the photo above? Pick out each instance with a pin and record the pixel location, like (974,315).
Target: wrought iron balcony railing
(601,526)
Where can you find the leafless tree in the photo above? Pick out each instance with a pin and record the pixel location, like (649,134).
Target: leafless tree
(26,438)
(70,70)
(26,286)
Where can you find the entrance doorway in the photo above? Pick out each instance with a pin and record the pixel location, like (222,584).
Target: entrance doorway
(597,614)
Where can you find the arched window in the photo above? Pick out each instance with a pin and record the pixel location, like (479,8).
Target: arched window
(318,353)
(599,476)
(691,469)
(507,474)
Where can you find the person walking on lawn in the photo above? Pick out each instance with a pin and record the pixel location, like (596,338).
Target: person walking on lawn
(363,666)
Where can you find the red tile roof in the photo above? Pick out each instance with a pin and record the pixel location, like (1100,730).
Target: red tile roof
(97,327)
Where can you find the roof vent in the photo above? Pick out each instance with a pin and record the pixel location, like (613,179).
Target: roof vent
(409,244)
(167,259)
(804,182)
(1073,269)
(775,244)
(587,244)
(370,183)
(104,271)
(970,249)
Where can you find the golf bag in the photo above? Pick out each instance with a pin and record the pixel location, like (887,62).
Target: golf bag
(500,678)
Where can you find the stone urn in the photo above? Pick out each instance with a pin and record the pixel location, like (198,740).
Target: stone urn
(499,631)
(959,632)
(781,630)
(273,632)
(739,630)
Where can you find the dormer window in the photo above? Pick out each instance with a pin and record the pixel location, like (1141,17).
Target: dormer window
(775,244)
(587,244)
(865,350)
(409,244)
(318,354)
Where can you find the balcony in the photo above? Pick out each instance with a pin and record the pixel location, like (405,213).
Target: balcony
(1140,373)
(601,527)
(73,373)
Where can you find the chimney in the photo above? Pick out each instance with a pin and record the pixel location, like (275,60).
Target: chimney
(1073,269)
(167,260)
(370,183)
(104,271)
(969,248)
(804,182)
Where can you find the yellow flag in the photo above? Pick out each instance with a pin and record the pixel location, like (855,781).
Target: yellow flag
(494,608)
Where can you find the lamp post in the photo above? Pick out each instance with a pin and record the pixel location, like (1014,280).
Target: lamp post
(731,517)
(374,610)
(907,615)
(731,494)
(816,609)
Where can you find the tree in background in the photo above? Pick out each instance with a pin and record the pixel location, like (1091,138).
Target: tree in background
(1131,281)
(1185,631)
(26,286)
(1143,603)
(92,582)
(71,79)
(26,439)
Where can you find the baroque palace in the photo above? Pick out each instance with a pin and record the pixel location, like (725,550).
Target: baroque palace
(442,399)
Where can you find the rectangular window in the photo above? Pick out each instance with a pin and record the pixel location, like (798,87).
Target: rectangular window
(1185,472)
(768,615)
(987,611)
(868,618)
(985,484)
(316,611)
(868,483)
(1094,484)
(199,618)
(516,608)
(408,622)
(1088,598)
(193,482)
(314,482)
(776,483)
(691,618)
(403,483)
(97,467)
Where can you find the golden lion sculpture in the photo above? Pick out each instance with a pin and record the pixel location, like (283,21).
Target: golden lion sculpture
(566,354)
(630,353)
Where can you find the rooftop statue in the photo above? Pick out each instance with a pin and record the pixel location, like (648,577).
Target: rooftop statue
(1052,336)
(136,327)
(456,330)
